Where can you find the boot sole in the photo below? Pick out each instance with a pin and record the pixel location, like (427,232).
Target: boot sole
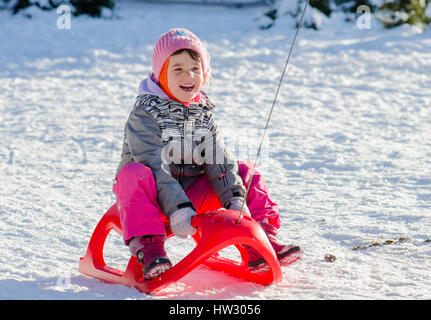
(157,268)
(286,258)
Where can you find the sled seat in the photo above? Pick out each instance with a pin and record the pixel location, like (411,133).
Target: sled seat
(216,230)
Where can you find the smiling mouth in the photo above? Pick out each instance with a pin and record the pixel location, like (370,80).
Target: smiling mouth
(187,88)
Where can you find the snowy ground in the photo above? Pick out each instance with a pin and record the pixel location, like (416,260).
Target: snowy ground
(347,156)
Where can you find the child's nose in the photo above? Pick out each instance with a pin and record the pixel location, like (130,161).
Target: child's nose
(190,74)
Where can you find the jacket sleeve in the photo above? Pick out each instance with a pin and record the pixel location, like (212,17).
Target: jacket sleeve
(143,136)
(222,172)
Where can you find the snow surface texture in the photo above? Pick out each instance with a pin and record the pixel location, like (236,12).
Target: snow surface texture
(347,155)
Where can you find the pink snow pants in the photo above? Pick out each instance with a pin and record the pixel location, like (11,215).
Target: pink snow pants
(140,213)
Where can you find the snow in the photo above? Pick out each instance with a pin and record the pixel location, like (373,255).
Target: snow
(347,155)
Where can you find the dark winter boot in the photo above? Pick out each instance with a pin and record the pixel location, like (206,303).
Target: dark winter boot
(151,254)
(286,254)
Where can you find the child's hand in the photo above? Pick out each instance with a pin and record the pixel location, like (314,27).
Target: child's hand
(180,222)
(236,203)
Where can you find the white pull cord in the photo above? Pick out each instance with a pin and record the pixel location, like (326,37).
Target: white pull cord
(272,107)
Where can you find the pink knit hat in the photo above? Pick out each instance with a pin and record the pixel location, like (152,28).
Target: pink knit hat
(174,40)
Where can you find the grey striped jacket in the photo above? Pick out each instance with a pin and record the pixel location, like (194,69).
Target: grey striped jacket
(179,144)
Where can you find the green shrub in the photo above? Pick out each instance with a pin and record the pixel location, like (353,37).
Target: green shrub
(91,7)
(351,6)
(323,6)
(398,12)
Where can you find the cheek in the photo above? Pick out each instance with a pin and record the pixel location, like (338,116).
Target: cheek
(173,80)
(201,80)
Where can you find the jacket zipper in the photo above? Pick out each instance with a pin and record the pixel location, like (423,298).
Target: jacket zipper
(186,119)
(223,175)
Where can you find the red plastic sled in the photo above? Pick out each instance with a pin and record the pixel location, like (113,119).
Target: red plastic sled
(216,230)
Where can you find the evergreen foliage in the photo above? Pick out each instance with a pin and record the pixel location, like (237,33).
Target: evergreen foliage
(323,6)
(352,6)
(391,13)
(91,7)
(398,12)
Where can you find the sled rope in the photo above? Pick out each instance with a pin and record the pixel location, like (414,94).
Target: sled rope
(272,107)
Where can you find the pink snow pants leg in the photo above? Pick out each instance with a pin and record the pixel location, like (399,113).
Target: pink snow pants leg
(259,202)
(140,213)
(136,193)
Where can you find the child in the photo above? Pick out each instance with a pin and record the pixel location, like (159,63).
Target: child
(174,163)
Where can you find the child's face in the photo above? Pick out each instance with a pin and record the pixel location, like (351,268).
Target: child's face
(185,76)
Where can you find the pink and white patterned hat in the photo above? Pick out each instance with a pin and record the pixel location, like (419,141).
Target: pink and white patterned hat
(174,40)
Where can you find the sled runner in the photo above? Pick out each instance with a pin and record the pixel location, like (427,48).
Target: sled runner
(216,230)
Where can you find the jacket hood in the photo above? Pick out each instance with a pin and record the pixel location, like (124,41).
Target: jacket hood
(150,86)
